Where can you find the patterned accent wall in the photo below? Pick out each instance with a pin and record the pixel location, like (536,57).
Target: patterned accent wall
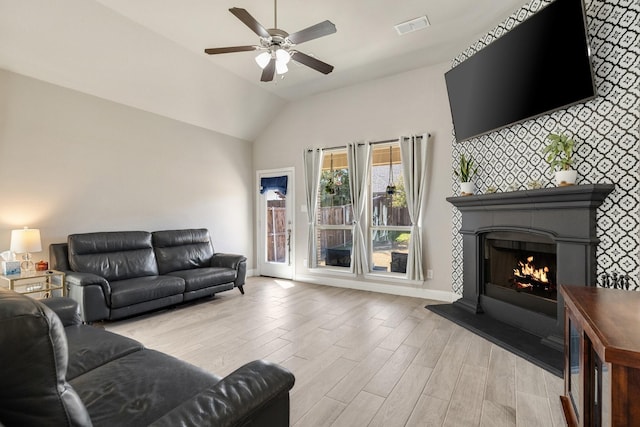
(605,129)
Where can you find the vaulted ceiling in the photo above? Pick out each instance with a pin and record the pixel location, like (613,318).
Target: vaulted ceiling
(148,54)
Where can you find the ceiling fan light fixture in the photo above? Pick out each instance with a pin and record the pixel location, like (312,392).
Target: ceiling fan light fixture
(283,56)
(281,67)
(263,59)
(276,45)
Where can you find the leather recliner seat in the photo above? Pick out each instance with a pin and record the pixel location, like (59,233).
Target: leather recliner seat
(57,371)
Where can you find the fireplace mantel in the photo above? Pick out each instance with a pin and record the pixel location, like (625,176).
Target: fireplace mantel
(566,215)
(555,198)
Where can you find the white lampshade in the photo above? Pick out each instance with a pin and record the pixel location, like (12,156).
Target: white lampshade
(283,56)
(263,59)
(26,240)
(281,67)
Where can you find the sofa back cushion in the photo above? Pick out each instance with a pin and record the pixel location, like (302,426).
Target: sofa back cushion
(59,256)
(182,249)
(113,255)
(33,366)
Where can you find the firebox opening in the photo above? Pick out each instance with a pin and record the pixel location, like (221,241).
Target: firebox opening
(520,269)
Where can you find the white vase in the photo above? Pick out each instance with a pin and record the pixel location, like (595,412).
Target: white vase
(566,177)
(467,189)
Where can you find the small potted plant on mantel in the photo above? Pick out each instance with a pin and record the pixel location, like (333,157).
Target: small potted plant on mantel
(558,153)
(465,172)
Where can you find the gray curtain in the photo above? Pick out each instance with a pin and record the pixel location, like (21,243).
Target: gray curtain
(359,160)
(414,154)
(312,171)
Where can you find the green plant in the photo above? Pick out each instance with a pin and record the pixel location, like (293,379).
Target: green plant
(466,168)
(334,194)
(330,187)
(403,238)
(399,198)
(559,151)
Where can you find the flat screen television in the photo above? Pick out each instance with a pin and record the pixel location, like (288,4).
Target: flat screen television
(543,64)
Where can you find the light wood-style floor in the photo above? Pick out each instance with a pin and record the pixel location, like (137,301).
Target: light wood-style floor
(360,358)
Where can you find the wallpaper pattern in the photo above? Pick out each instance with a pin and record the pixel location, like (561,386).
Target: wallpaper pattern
(605,129)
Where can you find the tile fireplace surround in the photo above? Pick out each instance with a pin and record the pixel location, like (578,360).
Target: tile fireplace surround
(563,215)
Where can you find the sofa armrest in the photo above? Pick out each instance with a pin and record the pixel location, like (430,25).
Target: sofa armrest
(66,309)
(227,260)
(237,262)
(93,294)
(84,279)
(256,394)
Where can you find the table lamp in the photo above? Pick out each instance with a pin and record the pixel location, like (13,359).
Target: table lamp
(24,242)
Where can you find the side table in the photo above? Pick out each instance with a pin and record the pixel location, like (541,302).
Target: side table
(37,284)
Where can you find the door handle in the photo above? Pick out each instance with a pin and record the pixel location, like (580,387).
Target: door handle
(289,243)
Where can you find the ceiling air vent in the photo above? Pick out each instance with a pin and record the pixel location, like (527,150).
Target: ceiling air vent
(412,25)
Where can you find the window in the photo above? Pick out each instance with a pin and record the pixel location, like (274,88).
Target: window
(335,212)
(387,228)
(390,224)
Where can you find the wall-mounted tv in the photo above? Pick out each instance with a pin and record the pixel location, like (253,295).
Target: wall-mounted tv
(541,65)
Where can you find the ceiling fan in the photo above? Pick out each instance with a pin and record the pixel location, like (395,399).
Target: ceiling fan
(277,45)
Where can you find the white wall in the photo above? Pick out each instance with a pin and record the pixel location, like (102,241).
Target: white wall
(71,162)
(408,103)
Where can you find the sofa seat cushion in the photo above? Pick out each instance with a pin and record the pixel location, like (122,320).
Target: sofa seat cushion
(206,277)
(125,391)
(142,289)
(90,347)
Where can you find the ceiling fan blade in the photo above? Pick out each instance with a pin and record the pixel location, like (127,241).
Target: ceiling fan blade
(250,21)
(230,49)
(322,29)
(269,71)
(312,62)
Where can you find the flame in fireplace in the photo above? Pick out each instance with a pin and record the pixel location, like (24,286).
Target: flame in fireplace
(533,275)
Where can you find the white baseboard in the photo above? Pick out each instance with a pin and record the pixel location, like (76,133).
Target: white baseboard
(394,289)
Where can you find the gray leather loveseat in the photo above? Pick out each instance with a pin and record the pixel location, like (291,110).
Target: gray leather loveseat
(57,371)
(113,275)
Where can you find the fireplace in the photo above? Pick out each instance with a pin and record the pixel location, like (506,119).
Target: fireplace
(520,269)
(518,247)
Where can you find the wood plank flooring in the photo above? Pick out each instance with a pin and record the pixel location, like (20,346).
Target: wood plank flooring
(360,358)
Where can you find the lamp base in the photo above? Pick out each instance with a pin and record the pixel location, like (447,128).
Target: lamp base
(27,264)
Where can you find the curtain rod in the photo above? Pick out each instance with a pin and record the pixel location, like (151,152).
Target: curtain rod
(371,143)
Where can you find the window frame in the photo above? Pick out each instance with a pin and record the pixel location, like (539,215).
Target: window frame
(319,228)
(371,228)
(367,220)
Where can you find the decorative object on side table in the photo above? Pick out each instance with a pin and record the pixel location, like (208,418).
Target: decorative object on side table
(465,172)
(558,153)
(42,265)
(25,242)
(10,267)
(491,189)
(9,264)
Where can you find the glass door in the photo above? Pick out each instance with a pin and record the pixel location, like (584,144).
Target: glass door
(275,223)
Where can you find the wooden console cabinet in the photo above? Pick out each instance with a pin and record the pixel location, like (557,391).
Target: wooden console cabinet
(602,357)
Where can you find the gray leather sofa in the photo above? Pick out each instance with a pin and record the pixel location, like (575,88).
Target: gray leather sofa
(57,371)
(113,275)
